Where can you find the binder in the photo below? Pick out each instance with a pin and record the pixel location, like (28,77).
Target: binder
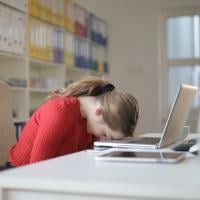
(31,7)
(6,27)
(81,53)
(60,14)
(102,60)
(94,28)
(81,16)
(87,55)
(83,22)
(54,12)
(32,38)
(60,46)
(34,7)
(49,47)
(37,39)
(103,32)
(19,33)
(42,9)
(94,64)
(48,10)
(12,31)
(98,30)
(69,49)
(70,16)
(77,52)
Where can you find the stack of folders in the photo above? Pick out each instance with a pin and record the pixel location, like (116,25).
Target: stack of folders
(46,41)
(98,30)
(63,13)
(81,19)
(98,58)
(82,53)
(58,45)
(52,11)
(12,30)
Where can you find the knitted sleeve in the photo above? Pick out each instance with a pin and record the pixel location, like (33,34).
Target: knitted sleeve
(54,126)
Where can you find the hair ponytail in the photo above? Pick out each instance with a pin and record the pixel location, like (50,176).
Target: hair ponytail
(89,86)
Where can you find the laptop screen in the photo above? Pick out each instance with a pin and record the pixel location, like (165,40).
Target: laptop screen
(178,115)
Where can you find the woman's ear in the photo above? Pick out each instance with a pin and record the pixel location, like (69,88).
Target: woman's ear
(98,111)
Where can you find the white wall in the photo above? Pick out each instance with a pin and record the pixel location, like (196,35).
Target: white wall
(134,49)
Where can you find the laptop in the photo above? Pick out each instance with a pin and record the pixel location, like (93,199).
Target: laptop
(173,128)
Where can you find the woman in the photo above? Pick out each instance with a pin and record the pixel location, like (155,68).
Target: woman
(73,118)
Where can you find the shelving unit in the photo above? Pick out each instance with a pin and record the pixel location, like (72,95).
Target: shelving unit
(45,45)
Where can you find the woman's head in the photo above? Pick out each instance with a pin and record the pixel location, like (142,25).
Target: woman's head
(119,110)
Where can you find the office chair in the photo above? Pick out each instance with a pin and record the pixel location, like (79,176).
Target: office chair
(7,129)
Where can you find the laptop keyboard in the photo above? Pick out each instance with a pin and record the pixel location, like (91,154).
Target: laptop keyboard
(146,140)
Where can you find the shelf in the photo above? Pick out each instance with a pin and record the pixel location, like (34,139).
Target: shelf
(86,39)
(78,36)
(11,55)
(45,21)
(74,69)
(98,44)
(41,63)
(18,89)
(18,120)
(40,90)
(181,62)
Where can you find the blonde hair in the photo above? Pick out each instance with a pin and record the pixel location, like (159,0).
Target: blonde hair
(119,109)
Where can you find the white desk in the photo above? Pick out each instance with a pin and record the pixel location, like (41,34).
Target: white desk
(79,176)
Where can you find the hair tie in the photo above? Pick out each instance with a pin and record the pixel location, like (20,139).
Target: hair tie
(107,88)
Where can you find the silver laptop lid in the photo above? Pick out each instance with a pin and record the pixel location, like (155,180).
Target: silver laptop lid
(178,115)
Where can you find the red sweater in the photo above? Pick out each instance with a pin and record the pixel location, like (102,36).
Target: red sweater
(55,129)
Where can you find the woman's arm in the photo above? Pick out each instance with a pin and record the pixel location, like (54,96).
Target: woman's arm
(54,126)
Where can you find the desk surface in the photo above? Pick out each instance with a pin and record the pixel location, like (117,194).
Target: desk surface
(80,173)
